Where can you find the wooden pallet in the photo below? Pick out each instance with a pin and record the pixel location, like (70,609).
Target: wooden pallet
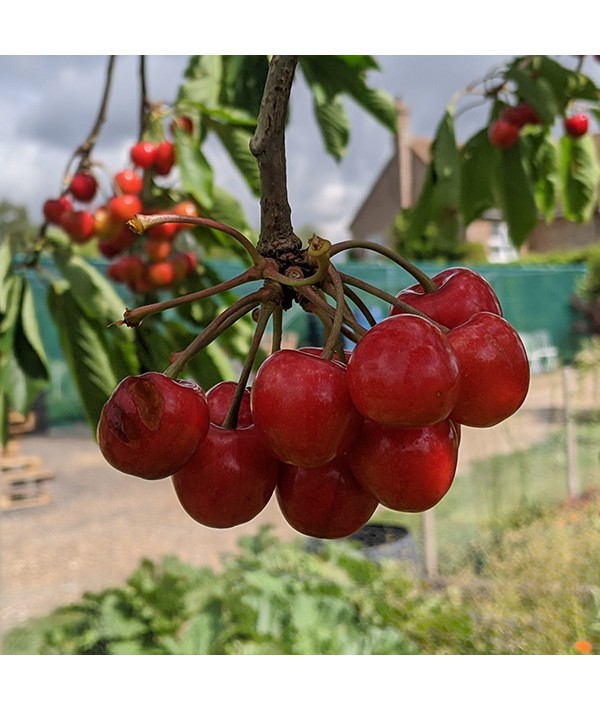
(25,486)
(24,481)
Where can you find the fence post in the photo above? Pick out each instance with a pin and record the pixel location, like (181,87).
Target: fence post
(573,484)
(430,544)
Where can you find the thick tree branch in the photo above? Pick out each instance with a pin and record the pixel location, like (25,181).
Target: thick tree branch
(277,238)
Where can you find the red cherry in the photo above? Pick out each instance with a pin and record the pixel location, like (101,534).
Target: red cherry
(181,123)
(184,264)
(302,408)
(78,224)
(520,115)
(187,208)
(124,207)
(83,186)
(115,244)
(164,158)
(128,268)
(577,125)
(460,294)
(494,370)
(220,397)
(142,154)
(403,373)
(163,231)
(324,502)
(151,425)
(229,479)
(129,182)
(157,250)
(54,208)
(406,469)
(503,134)
(160,275)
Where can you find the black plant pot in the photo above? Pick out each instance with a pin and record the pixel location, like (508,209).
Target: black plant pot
(386,542)
(378,541)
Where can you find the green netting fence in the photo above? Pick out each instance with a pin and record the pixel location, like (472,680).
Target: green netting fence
(534,299)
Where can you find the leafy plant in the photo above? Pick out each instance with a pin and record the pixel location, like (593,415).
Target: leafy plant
(536,591)
(271,598)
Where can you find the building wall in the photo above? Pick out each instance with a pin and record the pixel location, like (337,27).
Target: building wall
(563,235)
(478,232)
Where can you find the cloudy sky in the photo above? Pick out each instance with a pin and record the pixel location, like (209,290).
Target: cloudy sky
(49,103)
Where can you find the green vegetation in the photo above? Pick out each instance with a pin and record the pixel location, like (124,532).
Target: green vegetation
(536,591)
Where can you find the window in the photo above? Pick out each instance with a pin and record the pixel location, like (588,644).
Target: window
(501,248)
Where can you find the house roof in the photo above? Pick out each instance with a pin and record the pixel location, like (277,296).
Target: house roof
(419,147)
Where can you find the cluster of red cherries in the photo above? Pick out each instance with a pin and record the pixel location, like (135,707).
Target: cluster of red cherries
(332,438)
(504,132)
(142,263)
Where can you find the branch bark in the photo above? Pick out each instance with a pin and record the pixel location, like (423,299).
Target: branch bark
(277,239)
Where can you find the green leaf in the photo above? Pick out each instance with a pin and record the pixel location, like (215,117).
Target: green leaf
(102,306)
(226,209)
(198,635)
(5,268)
(28,346)
(359,62)
(23,364)
(243,81)
(437,208)
(229,115)
(543,161)
(537,91)
(515,194)
(445,165)
(13,289)
(334,123)
(209,366)
(336,75)
(83,345)
(4,409)
(116,620)
(202,83)
(579,175)
(95,295)
(479,162)
(566,84)
(330,114)
(196,173)
(236,141)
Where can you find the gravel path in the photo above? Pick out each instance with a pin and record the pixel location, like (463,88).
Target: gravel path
(100,523)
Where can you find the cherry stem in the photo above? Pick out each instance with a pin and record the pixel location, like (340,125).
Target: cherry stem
(264,315)
(133,317)
(340,313)
(83,153)
(277,329)
(140,223)
(144,103)
(221,323)
(405,308)
(364,309)
(84,150)
(425,281)
(320,306)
